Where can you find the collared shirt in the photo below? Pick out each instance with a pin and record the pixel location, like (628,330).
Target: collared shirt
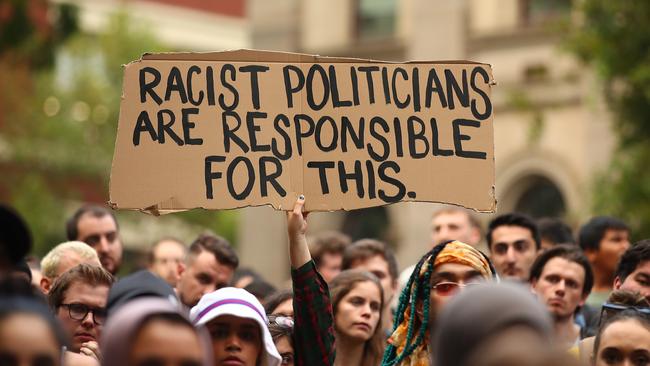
(313,335)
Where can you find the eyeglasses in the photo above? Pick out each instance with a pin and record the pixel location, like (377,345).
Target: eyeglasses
(284,321)
(80,311)
(448,288)
(609,310)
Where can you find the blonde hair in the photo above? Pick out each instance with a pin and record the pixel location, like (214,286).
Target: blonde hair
(50,263)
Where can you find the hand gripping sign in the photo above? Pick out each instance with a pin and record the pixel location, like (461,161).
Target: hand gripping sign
(248,128)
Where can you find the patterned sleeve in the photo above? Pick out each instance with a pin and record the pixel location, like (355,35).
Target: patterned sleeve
(313,331)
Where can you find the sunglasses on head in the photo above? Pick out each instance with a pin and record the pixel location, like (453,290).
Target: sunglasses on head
(284,321)
(609,310)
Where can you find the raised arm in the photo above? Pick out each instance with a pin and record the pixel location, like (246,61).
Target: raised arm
(313,335)
(297,227)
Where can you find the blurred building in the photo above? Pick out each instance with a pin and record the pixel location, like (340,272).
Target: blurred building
(552,131)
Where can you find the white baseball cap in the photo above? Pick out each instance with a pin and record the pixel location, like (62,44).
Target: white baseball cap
(240,303)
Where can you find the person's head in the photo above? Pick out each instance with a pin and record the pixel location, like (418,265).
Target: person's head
(78,299)
(327,252)
(438,277)
(357,302)
(244,277)
(29,334)
(63,257)
(152,331)
(604,239)
(486,318)
(623,339)
(280,303)
(281,329)
(261,289)
(513,241)
(554,231)
(455,223)
(137,285)
(238,328)
(15,238)
(210,265)
(377,258)
(633,270)
(21,271)
(97,226)
(166,259)
(562,279)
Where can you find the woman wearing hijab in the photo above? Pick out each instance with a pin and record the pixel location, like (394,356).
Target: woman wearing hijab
(492,324)
(152,331)
(238,328)
(438,276)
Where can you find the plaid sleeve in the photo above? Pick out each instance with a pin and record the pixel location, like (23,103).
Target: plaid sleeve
(313,330)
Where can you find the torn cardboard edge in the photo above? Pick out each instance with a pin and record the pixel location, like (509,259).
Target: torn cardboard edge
(248,55)
(159,210)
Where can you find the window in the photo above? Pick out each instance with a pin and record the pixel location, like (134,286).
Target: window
(540,12)
(542,198)
(376,18)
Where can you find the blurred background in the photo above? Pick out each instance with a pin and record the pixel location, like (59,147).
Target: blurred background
(571,122)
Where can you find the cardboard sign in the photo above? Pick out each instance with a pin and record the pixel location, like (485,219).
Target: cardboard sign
(248,128)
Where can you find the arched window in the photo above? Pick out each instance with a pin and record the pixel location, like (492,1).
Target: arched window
(541,198)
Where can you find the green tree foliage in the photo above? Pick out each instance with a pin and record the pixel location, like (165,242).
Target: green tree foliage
(57,139)
(614,37)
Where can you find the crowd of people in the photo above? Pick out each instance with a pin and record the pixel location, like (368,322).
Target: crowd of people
(525,293)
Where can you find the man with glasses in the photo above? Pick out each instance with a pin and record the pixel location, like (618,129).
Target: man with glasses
(562,278)
(78,299)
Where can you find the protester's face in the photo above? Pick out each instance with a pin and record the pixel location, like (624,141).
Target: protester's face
(236,341)
(204,274)
(330,266)
(560,287)
(164,343)
(85,330)
(167,258)
(453,226)
(612,247)
(513,252)
(625,342)
(26,339)
(637,281)
(450,273)
(358,312)
(284,308)
(285,350)
(101,234)
(378,266)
